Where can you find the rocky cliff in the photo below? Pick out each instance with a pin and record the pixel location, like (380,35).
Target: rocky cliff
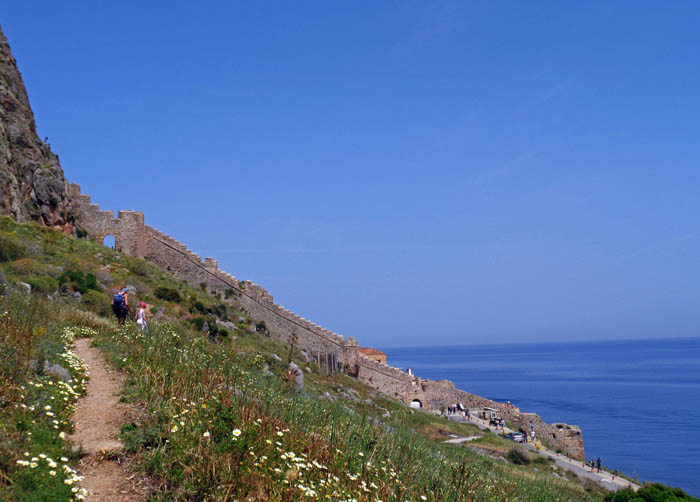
(31,179)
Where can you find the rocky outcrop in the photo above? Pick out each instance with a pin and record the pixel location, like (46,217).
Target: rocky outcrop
(31,179)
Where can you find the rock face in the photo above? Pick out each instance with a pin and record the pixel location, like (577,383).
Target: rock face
(31,179)
(299,376)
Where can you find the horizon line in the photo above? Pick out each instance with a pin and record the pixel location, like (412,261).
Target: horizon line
(546,342)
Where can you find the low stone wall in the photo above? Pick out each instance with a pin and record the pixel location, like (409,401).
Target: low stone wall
(135,238)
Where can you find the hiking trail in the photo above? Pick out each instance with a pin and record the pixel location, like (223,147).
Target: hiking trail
(98,418)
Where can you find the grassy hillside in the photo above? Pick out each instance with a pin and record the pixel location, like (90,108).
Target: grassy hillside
(219,417)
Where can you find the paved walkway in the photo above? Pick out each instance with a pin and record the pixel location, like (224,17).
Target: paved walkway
(603,478)
(460,440)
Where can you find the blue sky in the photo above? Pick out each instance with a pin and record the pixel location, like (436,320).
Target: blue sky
(403,172)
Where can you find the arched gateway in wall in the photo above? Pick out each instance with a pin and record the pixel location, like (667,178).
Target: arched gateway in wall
(134,238)
(110,241)
(128,227)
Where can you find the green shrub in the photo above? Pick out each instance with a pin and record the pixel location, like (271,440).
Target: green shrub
(10,250)
(98,302)
(198,323)
(592,486)
(134,437)
(26,266)
(44,283)
(212,327)
(90,281)
(219,310)
(78,281)
(167,294)
(543,460)
(652,493)
(518,456)
(138,267)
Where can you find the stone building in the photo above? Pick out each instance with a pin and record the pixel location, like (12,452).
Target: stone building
(373,354)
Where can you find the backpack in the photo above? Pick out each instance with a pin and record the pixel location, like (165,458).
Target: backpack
(118,301)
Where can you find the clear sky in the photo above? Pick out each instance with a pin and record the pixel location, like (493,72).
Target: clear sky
(404,172)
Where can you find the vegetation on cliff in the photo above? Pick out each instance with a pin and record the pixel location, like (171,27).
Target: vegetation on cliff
(653,493)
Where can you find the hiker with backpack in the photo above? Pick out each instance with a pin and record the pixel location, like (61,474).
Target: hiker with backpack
(120,305)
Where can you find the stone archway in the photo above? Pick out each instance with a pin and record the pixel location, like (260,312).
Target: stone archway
(110,241)
(416,404)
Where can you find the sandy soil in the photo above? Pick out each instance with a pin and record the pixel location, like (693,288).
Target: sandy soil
(98,418)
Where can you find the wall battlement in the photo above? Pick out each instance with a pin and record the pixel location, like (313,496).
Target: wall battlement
(134,238)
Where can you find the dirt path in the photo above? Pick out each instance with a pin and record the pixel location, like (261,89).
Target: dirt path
(98,419)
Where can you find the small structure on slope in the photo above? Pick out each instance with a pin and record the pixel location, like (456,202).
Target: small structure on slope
(374,354)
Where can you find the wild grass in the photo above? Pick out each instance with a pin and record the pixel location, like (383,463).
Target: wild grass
(36,405)
(219,422)
(219,427)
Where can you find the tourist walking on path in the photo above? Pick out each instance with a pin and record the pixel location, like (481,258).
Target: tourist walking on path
(120,305)
(141,317)
(598,462)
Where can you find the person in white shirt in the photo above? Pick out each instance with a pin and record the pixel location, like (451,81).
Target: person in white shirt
(141,317)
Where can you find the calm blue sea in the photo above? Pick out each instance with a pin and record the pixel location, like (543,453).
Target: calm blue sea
(637,402)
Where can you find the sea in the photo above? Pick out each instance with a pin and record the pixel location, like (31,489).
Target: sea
(637,401)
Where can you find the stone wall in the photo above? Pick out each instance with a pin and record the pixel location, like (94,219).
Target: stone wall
(184,264)
(389,380)
(127,228)
(133,237)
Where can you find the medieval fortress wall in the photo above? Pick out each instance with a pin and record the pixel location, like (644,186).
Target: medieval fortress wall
(133,237)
